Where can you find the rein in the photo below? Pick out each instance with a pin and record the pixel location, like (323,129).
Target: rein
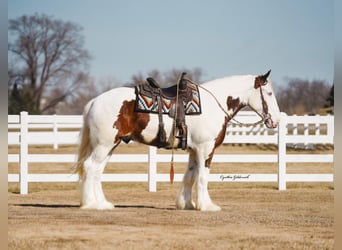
(172,172)
(231,118)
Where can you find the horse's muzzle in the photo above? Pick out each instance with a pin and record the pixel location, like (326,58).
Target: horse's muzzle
(270,123)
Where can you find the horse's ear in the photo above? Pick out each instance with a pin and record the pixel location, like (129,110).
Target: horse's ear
(267,75)
(261,80)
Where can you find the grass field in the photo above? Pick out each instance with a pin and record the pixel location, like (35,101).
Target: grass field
(253,216)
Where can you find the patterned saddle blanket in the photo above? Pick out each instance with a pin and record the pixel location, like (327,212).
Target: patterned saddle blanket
(146,99)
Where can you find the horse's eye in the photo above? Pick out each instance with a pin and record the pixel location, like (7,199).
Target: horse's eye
(269,93)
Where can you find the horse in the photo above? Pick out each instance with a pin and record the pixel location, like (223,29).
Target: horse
(109,119)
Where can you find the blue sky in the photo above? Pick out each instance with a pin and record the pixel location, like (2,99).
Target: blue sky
(293,38)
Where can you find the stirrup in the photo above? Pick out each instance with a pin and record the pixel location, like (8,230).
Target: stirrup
(182,136)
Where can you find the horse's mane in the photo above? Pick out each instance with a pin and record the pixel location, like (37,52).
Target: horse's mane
(228,78)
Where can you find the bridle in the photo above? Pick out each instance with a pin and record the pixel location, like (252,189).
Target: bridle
(263,117)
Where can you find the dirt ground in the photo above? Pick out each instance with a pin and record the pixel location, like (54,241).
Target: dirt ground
(253,216)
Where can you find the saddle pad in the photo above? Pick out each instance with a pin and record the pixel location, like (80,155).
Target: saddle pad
(146,100)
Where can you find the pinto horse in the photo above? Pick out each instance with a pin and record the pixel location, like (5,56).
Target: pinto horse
(110,119)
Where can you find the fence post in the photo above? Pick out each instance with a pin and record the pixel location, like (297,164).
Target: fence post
(55,132)
(23,153)
(152,170)
(331,129)
(306,131)
(282,152)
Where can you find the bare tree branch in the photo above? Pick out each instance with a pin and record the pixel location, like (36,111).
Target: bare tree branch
(302,96)
(167,78)
(48,52)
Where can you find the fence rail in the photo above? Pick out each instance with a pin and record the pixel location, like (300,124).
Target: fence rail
(25,130)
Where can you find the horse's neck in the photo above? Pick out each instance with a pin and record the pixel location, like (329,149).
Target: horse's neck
(235,87)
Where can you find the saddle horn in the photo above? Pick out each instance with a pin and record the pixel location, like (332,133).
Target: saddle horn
(152,82)
(182,82)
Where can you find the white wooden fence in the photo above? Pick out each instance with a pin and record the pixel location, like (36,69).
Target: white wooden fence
(25,130)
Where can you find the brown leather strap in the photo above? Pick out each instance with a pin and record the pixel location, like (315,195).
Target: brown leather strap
(161,131)
(264,104)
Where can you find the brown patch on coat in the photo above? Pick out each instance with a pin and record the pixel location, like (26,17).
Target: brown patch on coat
(130,124)
(233,103)
(218,141)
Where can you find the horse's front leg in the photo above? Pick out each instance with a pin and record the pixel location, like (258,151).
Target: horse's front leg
(204,202)
(184,197)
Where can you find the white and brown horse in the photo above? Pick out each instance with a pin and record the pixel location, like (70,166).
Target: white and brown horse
(221,99)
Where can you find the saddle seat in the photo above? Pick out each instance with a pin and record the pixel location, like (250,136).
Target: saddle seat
(169,92)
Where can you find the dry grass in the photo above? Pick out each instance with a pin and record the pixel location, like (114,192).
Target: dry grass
(253,216)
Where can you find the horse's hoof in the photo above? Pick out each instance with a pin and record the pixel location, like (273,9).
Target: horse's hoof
(88,206)
(210,207)
(106,205)
(99,206)
(185,206)
(189,206)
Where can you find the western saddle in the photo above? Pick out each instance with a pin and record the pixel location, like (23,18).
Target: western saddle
(166,101)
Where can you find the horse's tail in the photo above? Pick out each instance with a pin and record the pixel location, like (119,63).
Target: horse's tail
(84,146)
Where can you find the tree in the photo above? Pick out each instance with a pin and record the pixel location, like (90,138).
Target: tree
(328,107)
(302,96)
(47,55)
(75,103)
(17,99)
(167,78)
(329,102)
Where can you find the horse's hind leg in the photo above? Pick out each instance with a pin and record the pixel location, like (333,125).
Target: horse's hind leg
(184,197)
(91,188)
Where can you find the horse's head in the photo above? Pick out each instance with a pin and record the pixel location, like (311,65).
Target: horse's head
(263,100)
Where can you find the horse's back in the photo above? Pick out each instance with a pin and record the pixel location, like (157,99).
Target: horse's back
(110,100)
